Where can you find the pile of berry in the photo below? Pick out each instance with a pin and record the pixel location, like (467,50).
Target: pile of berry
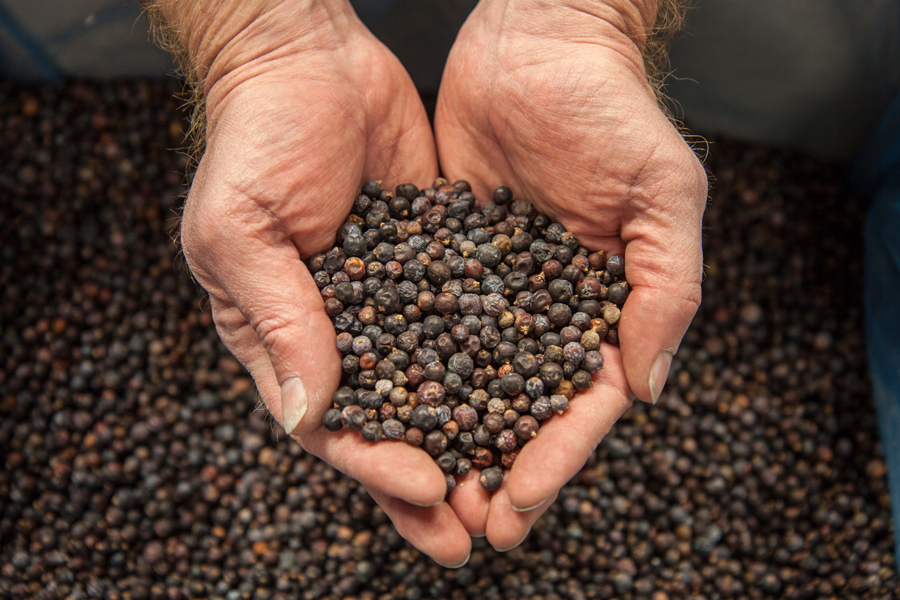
(462,329)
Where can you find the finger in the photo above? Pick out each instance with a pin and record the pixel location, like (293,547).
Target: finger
(401,147)
(389,468)
(467,149)
(507,527)
(471,502)
(435,531)
(269,312)
(564,442)
(393,468)
(403,151)
(664,267)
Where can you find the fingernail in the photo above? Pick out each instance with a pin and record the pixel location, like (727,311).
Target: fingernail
(527,508)
(462,564)
(658,374)
(294,403)
(516,545)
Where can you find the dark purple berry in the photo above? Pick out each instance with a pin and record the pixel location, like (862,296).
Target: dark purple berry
(353,417)
(446,461)
(526,427)
(491,478)
(506,441)
(435,371)
(393,429)
(502,195)
(534,387)
(431,393)
(559,314)
(541,301)
(541,409)
(574,352)
(581,379)
(525,364)
(435,442)
(493,423)
(332,419)
(463,466)
(344,342)
(569,334)
(371,432)
(593,361)
(424,418)
(559,403)
(433,326)
(465,416)
(470,304)
(615,265)
(446,303)
(618,293)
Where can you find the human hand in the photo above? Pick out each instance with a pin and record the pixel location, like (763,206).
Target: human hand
(303,104)
(552,100)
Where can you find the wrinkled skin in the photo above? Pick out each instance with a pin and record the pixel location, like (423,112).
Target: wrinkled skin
(290,138)
(569,124)
(568,121)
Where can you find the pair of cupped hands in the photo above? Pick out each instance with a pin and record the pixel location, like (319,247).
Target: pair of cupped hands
(304,103)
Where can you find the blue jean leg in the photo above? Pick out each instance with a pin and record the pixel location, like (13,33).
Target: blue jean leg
(882,297)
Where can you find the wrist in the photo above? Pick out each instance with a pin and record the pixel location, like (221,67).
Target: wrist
(216,37)
(633,19)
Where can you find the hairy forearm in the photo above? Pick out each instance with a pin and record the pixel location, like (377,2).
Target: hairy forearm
(217,36)
(219,43)
(639,29)
(651,25)
(634,18)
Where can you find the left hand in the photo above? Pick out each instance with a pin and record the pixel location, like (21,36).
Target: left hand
(303,104)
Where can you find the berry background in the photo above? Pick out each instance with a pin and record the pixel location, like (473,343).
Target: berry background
(138,464)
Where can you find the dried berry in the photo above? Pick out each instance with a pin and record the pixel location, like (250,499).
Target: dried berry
(615,265)
(423,418)
(559,403)
(108,354)
(371,431)
(353,417)
(491,478)
(435,442)
(506,441)
(332,419)
(471,309)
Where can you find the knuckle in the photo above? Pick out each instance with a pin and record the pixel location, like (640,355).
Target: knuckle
(701,186)
(273,332)
(230,325)
(197,237)
(695,181)
(690,299)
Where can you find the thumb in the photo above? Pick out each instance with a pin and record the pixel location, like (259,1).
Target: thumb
(664,267)
(269,313)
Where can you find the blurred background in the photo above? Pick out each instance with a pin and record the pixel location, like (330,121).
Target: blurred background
(811,75)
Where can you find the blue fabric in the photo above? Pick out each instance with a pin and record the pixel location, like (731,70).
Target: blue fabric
(883,328)
(39,64)
(880,158)
(878,172)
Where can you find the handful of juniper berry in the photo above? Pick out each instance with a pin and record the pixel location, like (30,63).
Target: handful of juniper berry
(462,330)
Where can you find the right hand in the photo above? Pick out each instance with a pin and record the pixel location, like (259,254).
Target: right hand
(303,104)
(551,99)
